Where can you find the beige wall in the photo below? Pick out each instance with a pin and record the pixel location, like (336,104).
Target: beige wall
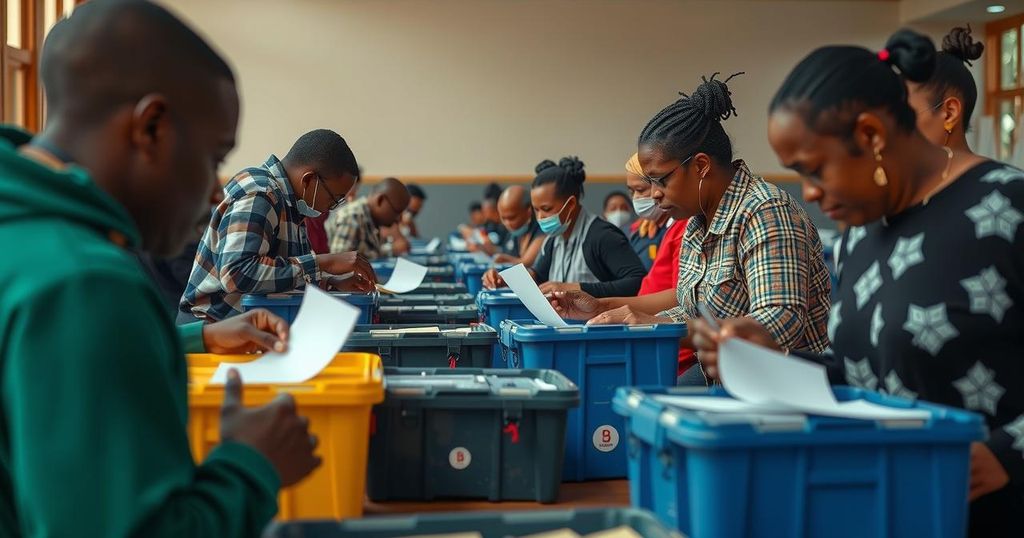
(478,87)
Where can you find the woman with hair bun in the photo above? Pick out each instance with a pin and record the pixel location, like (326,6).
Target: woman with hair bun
(749,248)
(582,251)
(930,300)
(945,101)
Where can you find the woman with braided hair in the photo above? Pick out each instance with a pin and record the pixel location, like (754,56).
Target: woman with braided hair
(930,300)
(582,251)
(749,248)
(945,101)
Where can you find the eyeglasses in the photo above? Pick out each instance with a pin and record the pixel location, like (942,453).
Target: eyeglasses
(660,181)
(338,202)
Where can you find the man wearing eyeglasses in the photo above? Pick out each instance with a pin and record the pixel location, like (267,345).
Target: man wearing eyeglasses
(358,225)
(256,241)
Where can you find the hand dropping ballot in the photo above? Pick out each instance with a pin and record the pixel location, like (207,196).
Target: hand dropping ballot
(406,277)
(761,380)
(520,281)
(321,327)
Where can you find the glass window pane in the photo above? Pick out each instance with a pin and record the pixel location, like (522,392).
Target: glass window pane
(1008,62)
(1006,124)
(14,23)
(49,14)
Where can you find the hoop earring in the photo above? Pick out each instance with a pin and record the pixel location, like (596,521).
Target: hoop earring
(880,178)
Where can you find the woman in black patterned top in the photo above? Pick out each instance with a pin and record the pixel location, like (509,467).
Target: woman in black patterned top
(930,301)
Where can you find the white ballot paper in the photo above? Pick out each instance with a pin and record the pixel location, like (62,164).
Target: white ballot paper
(773,382)
(406,277)
(520,281)
(433,244)
(321,327)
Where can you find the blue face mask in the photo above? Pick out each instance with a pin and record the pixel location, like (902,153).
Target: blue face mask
(303,208)
(553,224)
(518,232)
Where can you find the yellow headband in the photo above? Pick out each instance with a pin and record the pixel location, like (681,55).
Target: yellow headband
(633,166)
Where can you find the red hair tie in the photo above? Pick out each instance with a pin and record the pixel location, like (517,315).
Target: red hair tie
(883,55)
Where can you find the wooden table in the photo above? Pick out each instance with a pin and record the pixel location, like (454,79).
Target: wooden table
(572,495)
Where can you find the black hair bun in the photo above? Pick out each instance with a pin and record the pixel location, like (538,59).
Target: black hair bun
(713,98)
(958,42)
(913,54)
(544,165)
(573,167)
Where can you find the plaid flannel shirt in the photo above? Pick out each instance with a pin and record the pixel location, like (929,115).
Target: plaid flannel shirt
(351,227)
(256,243)
(761,257)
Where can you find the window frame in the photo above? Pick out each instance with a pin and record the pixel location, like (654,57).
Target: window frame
(26,58)
(995,95)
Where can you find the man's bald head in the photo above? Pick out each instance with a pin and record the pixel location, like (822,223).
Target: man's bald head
(514,207)
(514,197)
(389,200)
(143,104)
(111,53)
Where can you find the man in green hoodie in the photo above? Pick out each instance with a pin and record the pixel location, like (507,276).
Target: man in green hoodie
(93,383)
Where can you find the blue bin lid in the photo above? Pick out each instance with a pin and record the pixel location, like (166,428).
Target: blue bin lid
(501,297)
(532,331)
(295,299)
(701,429)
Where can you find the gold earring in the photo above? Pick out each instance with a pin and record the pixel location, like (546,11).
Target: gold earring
(949,131)
(880,178)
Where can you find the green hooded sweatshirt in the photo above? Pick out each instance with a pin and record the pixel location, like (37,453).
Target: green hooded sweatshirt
(93,435)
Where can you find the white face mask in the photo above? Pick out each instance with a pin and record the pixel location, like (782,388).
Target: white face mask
(303,208)
(619,217)
(646,208)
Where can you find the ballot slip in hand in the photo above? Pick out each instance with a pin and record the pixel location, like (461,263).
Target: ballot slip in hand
(406,277)
(321,328)
(520,281)
(771,381)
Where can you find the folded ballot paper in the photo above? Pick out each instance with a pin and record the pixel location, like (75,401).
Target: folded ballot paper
(762,381)
(321,328)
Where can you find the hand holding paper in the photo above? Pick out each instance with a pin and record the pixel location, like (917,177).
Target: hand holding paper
(520,281)
(320,329)
(773,381)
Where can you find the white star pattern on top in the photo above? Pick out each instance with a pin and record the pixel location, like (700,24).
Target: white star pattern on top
(906,254)
(894,386)
(995,215)
(856,234)
(834,319)
(930,327)
(987,293)
(876,324)
(1016,429)
(979,389)
(859,374)
(1003,175)
(868,284)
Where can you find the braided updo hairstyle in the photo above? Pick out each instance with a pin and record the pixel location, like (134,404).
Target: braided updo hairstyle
(951,76)
(693,124)
(568,176)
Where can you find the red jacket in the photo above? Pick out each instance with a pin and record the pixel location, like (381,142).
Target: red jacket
(665,270)
(663,275)
(316,233)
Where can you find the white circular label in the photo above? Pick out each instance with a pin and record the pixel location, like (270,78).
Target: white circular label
(606,438)
(460,458)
